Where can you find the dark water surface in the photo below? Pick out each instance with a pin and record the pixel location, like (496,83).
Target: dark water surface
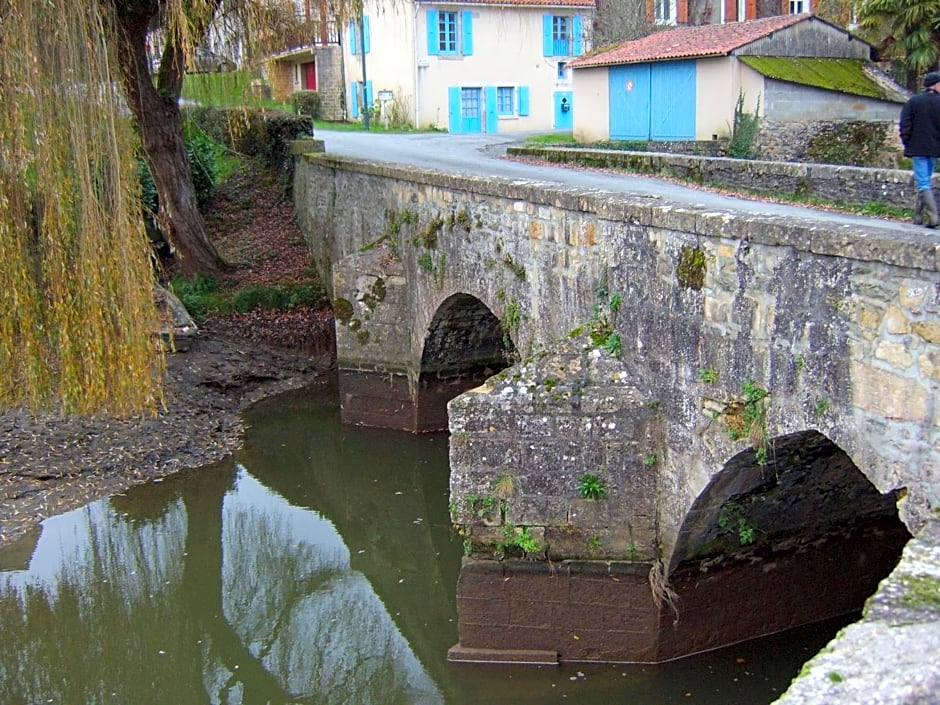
(316,566)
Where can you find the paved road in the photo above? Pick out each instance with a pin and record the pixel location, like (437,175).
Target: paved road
(484,155)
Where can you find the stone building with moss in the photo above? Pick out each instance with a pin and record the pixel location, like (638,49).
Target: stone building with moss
(800,75)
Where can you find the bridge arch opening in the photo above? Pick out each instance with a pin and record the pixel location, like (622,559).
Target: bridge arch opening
(800,539)
(465,344)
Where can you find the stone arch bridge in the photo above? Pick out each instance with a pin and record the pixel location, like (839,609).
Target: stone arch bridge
(731,383)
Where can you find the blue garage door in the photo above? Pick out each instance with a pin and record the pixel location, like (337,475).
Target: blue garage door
(672,101)
(629,88)
(652,101)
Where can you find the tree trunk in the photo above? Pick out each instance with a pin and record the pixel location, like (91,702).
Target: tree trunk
(160,125)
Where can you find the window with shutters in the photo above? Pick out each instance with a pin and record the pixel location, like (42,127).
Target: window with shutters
(450,32)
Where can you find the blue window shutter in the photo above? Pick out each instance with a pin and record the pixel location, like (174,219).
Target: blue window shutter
(453,109)
(354,99)
(523,100)
(578,41)
(489,94)
(353,38)
(368,102)
(547,43)
(466,30)
(434,46)
(366,34)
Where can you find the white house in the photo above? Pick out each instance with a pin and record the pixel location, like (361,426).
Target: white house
(481,66)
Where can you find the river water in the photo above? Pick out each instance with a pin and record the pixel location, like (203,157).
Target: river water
(317,565)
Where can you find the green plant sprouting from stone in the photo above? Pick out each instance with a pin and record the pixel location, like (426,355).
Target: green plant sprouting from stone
(601,328)
(510,321)
(593,543)
(518,537)
(650,460)
(820,407)
(691,268)
(592,487)
(731,518)
(747,418)
(708,375)
(516,268)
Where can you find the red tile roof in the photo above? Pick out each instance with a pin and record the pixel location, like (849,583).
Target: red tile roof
(689,42)
(517,3)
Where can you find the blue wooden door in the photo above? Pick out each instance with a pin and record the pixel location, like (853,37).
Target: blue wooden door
(672,100)
(564,110)
(629,94)
(471,110)
(464,110)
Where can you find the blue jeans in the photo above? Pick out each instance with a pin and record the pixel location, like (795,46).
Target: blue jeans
(923,170)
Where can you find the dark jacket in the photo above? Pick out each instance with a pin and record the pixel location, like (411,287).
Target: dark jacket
(920,125)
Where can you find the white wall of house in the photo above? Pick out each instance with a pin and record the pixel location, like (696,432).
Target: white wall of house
(719,82)
(592,114)
(389,61)
(507,53)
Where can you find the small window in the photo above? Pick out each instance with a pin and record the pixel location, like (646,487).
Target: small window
(562,70)
(561,35)
(664,11)
(505,100)
(447,32)
(798,7)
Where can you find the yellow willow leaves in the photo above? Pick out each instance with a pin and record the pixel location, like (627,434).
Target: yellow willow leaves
(77,320)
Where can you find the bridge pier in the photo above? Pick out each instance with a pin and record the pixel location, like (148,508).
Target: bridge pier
(776,540)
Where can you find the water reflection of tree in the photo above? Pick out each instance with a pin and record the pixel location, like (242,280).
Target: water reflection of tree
(212,599)
(67,636)
(315,624)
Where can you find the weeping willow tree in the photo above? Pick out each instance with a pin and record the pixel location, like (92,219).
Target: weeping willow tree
(77,314)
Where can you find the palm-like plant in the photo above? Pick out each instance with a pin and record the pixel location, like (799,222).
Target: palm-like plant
(909,31)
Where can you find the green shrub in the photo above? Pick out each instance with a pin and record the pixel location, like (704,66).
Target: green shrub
(306,103)
(857,143)
(743,131)
(200,295)
(255,132)
(201,150)
(270,297)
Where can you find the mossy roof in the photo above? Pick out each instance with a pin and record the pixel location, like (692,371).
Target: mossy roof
(842,75)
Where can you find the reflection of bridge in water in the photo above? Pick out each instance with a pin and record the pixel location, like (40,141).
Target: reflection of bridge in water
(256,602)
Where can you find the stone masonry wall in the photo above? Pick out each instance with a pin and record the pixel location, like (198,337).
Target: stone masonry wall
(841,325)
(845,184)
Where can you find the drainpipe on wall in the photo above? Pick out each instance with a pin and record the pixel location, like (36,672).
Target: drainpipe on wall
(362,53)
(414,35)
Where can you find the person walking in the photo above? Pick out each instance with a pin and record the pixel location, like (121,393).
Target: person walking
(920,133)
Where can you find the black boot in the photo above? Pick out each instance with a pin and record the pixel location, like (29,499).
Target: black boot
(930,208)
(919,209)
